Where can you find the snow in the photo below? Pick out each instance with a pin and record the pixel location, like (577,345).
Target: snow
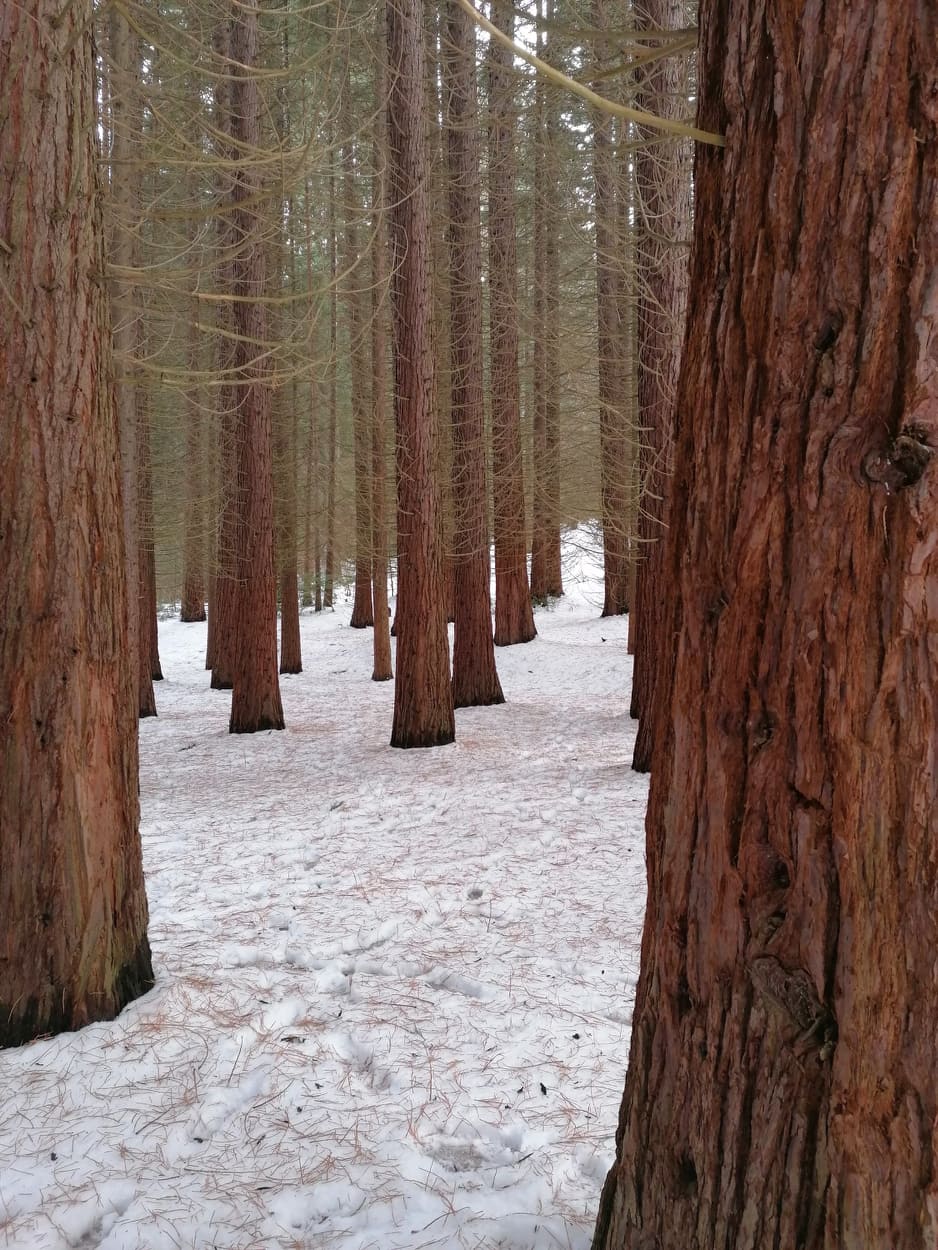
(393,987)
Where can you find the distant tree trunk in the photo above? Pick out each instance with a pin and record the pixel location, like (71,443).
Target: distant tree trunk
(355,286)
(546,577)
(514,619)
(613,434)
(382,669)
(475,679)
(150,669)
(223,605)
(193,586)
(73,944)
(332,433)
(291,658)
(255,695)
(664,186)
(781,1081)
(423,697)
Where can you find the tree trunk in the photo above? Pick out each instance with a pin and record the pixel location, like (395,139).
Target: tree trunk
(332,434)
(423,697)
(312,580)
(664,215)
(781,1086)
(475,679)
(150,669)
(222,621)
(355,285)
(514,618)
(613,434)
(255,694)
(546,578)
(193,586)
(382,669)
(291,657)
(73,944)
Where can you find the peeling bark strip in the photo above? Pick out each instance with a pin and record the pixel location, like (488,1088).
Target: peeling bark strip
(73,944)
(781,1087)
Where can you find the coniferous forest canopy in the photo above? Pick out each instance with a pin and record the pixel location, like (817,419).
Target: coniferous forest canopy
(548,389)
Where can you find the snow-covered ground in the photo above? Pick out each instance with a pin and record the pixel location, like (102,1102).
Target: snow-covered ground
(393,987)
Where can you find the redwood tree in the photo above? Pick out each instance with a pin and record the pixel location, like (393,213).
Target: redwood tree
(781,1087)
(475,679)
(514,618)
(423,697)
(73,943)
(255,695)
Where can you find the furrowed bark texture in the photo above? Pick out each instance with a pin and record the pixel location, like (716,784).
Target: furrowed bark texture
(475,678)
(255,693)
(514,617)
(664,224)
(423,697)
(73,943)
(781,1088)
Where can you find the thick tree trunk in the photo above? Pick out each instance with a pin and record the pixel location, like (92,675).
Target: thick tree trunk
(475,678)
(781,1086)
(255,694)
(423,697)
(614,442)
(73,944)
(664,216)
(382,667)
(514,618)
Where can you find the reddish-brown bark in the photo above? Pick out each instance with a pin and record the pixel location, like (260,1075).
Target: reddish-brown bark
(291,655)
(781,1085)
(255,692)
(546,574)
(355,288)
(614,438)
(382,669)
(664,223)
(514,618)
(475,678)
(192,607)
(73,943)
(150,669)
(423,697)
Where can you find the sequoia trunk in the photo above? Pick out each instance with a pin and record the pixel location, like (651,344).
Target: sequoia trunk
(423,697)
(781,1087)
(73,944)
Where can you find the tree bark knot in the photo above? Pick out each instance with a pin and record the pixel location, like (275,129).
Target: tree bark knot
(792,993)
(902,462)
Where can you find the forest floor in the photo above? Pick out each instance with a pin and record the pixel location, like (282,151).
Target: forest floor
(393,987)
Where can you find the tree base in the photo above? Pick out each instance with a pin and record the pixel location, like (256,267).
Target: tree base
(427,738)
(53,1014)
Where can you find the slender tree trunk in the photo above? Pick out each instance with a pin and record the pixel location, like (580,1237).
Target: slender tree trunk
(332,434)
(312,579)
(613,435)
(291,657)
(223,606)
(382,669)
(193,588)
(664,185)
(73,944)
(475,678)
(546,578)
(148,637)
(423,697)
(781,1082)
(255,695)
(355,285)
(514,619)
